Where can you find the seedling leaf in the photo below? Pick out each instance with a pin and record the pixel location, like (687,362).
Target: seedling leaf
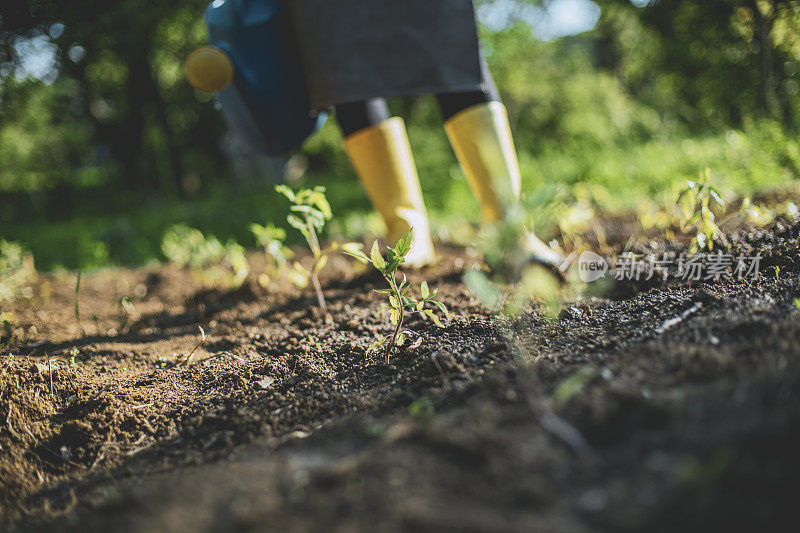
(376,344)
(404,244)
(377,258)
(442,308)
(430,314)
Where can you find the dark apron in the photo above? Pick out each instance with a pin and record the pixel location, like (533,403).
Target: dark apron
(353,50)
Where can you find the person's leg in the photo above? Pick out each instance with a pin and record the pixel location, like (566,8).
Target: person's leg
(356,116)
(451,104)
(377,145)
(477,126)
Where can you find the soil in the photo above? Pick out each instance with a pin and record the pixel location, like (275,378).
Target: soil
(666,406)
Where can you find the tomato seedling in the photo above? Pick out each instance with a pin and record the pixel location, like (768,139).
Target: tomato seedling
(401,303)
(271,238)
(694,202)
(310,211)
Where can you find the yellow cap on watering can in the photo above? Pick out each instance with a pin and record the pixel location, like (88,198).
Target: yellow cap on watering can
(209,69)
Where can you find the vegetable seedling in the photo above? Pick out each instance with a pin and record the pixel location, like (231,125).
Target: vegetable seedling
(695,201)
(401,303)
(310,211)
(511,280)
(271,238)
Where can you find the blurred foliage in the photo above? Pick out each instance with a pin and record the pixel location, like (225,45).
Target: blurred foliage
(188,247)
(16,270)
(103,144)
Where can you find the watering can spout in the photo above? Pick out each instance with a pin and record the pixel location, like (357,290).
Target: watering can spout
(209,69)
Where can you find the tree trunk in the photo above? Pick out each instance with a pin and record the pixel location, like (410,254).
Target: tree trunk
(769,95)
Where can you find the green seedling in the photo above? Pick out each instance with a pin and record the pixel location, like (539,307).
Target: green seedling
(510,280)
(188,247)
(73,353)
(310,211)
(272,238)
(797,303)
(695,202)
(401,303)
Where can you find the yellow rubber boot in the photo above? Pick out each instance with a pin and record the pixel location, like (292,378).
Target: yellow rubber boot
(383,161)
(481,138)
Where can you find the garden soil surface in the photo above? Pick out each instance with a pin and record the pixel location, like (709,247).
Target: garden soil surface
(658,406)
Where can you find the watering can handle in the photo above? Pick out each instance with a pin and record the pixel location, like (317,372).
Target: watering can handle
(209,69)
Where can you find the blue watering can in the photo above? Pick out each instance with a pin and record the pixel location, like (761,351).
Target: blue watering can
(253,67)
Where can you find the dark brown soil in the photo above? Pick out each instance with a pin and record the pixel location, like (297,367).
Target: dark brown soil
(280,421)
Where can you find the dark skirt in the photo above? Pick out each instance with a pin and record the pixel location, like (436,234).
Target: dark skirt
(353,50)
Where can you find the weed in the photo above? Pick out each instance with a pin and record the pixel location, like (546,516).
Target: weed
(797,303)
(188,247)
(310,211)
(271,238)
(400,302)
(695,202)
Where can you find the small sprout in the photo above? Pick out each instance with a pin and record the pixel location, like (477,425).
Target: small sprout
(797,303)
(694,202)
(777,272)
(271,239)
(401,303)
(189,357)
(310,211)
